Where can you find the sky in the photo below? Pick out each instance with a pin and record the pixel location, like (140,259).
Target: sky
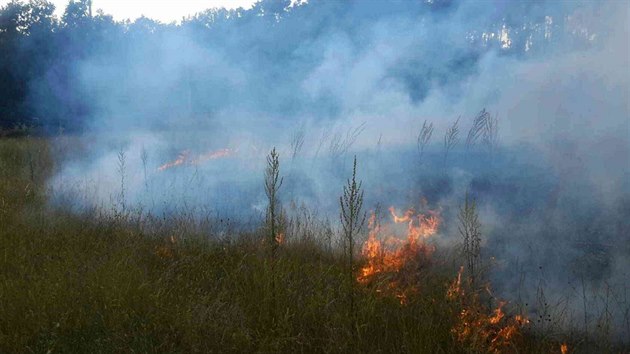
(162,10)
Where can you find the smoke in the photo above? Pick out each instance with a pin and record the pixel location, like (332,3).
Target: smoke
(360,78)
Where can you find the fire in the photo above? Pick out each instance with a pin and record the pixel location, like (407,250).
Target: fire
(392,263)
(181,159)
(498,314)
(455,290)
(493,333)
(167,250)
(185,158)
(475,328)
(392,253)
(213,155)
(564,348)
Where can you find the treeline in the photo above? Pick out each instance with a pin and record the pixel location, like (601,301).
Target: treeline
(38,47)
(275,44)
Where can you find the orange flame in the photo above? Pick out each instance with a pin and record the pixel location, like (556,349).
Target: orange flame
(389,255)
(498,314)
(455,290)
(564,348)
(181,159)
(185,157)
(167,250)
(476,329)
(213,155)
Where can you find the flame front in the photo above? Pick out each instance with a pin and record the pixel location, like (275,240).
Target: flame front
(475,328)
(181,159)
(280,238)
(390,253)
(185,158)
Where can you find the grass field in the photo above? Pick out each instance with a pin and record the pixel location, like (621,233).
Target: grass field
(97,282)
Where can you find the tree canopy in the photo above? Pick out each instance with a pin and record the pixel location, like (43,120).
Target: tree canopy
(50,66)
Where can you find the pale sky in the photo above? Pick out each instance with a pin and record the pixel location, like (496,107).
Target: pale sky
(162,10)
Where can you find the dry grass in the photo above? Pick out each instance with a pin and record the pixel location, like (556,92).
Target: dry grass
(451,138)
(424,136)
(97,283)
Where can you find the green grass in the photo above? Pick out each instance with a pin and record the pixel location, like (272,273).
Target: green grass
(99,284)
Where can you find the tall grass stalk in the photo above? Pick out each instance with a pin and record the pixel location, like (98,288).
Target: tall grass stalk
(484,130)
(424,136)
(297,142)
(451,138)
(352,220)
(340,144)
(470,231)
(273,182)
(121,168)
(491,133)
(477,130)
(144,157)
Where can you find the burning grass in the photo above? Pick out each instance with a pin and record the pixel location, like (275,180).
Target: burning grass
(394,266)
(99,282)
(393,261)
(478,326)
(187,158)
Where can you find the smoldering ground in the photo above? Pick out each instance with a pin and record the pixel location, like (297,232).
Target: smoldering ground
(325,81)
